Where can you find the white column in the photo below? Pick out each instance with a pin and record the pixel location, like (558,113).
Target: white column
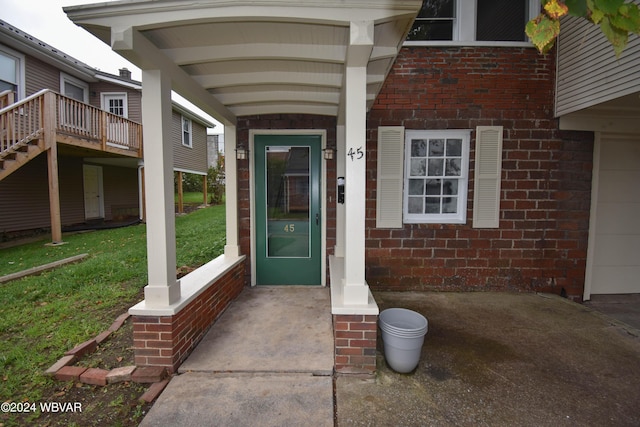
(232,248)
(356,290)
(340,207)
(163,288)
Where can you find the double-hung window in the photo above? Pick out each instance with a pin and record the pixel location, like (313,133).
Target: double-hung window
(11,72)
(465,22)
(186,132)
(423,176)
(436,175)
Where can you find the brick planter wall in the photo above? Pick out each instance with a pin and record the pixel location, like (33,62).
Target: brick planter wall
(541,244)
(168,340)
(355,343)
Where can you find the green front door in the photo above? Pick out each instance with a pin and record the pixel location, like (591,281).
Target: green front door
(287,202)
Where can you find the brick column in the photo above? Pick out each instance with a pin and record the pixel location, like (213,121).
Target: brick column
(355,343)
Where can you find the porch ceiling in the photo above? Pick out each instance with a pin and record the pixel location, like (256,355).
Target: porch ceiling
(236,58)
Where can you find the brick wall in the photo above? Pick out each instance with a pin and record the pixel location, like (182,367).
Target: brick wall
(541,243)
(282,122)
(168,340)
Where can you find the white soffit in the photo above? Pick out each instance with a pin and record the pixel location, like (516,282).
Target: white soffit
(236,58)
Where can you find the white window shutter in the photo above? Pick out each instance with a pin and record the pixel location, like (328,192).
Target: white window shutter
(488,170)
(390,177)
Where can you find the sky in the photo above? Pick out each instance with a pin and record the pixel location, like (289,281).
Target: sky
(45,20)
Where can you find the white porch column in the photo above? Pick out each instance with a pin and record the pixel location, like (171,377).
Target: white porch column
(232,248)
(356,290)
(340,207)
(163,288)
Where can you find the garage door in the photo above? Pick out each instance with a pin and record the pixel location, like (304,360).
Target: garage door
(615,239)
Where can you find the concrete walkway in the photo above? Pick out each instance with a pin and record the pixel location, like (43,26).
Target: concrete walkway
(268,361)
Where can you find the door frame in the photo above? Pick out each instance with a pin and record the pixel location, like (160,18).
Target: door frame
(323,195)
(85,167)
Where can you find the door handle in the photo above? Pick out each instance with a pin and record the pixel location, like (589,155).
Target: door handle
(317,219)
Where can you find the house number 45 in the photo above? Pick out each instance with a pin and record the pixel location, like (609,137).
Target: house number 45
(289,228)
(356,154)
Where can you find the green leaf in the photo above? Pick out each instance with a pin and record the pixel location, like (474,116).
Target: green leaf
(577,7)
(618,38)
(543,31)
(608,7)
(628,18)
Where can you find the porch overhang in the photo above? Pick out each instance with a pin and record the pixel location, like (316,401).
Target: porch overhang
(255,57)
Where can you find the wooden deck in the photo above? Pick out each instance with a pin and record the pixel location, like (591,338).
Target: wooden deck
(47,117)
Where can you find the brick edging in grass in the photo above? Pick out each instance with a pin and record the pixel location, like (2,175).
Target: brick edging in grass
(63,370)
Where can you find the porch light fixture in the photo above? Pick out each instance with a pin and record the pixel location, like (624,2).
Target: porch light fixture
(328,153)
(241,153)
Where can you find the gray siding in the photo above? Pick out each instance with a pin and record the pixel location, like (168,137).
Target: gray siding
(120,192)
(588,71)
(25,197)
(194,158)
(40,75)
(25,194)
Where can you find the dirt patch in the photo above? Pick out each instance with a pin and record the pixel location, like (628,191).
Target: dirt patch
(113,404)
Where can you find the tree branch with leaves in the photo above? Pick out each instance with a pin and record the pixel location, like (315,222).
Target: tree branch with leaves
(615,18)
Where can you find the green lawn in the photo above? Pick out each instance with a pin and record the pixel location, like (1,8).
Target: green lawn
(44,316)
(191,197)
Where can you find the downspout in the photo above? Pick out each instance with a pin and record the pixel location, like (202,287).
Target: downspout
(141,212)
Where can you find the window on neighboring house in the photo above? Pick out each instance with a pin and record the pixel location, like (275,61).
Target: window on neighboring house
(186,132)
(435,178)
(11,72)
(473,21)
(115,103)
(74,88)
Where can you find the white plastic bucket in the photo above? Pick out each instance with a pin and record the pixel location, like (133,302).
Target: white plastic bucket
(403,334)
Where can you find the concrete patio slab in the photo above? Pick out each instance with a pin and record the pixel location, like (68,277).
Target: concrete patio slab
(503,359)
(203,399)
(270,329)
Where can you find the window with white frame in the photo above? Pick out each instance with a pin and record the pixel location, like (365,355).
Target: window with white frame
(11,72)
(473,21)
(74,88)
(186,132)
(435,178)
(115,103)
(422,176)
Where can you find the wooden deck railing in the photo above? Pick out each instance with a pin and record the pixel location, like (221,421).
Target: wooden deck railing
(73,122)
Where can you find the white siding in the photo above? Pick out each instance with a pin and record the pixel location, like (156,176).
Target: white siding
(588,71)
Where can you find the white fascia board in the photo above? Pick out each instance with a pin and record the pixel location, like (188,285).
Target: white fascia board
(148,15)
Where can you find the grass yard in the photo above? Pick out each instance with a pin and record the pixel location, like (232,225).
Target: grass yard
(44,316)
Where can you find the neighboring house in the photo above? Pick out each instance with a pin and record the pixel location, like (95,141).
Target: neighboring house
(91,119)
(441,161)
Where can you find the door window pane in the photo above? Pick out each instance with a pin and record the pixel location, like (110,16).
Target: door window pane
(288,201)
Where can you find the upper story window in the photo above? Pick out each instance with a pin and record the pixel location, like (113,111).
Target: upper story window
(11,72)
(472,21)
(74,88)
(115,103)
(186,132)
